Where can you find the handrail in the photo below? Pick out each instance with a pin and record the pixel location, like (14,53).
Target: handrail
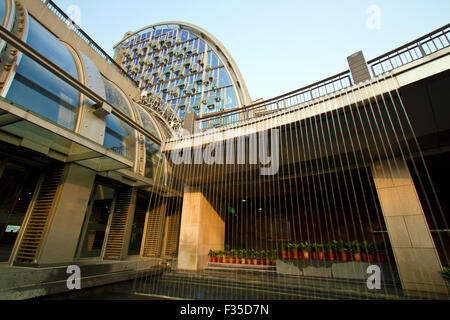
(294,98)
(83,35)
(210,115)
(411,51)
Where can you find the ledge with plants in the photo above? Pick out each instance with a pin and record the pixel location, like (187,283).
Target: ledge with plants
(336,250)
(244,256)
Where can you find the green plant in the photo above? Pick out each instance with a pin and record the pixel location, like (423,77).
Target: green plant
(306,246)
(212,254)
(446,273)
(353,247)
(233,253)
(252,254)
(273,254)
(340,246)
(366,246)
(380,247)
(329,247)
(242,253)
(292,247)
(284,246)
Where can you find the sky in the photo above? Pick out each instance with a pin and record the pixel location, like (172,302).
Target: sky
(278,46)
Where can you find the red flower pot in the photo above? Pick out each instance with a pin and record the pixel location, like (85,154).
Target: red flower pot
(364,256)
(213,260)
(300,255)
(306,255)
(330,256)
(261,262)
(267,262)
(230,260)
(321,255)
(289,255)
(236,261)
(284,254)
(343,256)
(356,256)
(249,261)
(294,255)
(242,260)
(274,262)
(224,260)
(371,257)
(314,255)
(255,262)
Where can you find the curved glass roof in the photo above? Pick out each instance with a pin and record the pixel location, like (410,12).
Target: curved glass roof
(184,67)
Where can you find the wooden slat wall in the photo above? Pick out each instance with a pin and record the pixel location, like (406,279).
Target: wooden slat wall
(118,226)
(154,231)
(39,217)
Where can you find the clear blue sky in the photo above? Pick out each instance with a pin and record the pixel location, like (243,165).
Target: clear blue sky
(281,45)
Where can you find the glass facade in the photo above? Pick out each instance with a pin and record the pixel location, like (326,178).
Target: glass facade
(176,65)
(39,90)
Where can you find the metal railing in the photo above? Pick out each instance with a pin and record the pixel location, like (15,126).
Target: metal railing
(264,108)
(414,50)
(83,35)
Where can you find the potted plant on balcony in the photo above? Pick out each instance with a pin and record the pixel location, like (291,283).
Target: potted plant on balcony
(284,250)
(262,257)
(274,256)
(254,255)
(212,254)
(222,256)
(293,250)
(342,249)
(330,249)
(320,251)
(368,251)
(267,254)
(242,254)
(354,249)
(234,256)
(314,251)
(306,249)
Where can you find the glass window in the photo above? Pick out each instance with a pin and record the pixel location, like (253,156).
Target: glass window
(224,78)
(153,159)
(49,46)
(147,122)
(2,11)
(40,91)
(119,137)
(97,221)
(116,98)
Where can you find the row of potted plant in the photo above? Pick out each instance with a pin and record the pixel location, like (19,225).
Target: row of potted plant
(244,256)
(336,250)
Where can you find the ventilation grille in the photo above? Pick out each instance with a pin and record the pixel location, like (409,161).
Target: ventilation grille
(35,228)
(116,236)
(173,222)
(153,234)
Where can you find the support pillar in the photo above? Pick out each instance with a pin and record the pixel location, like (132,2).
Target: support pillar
(415,254)
(202,229)
(64,226)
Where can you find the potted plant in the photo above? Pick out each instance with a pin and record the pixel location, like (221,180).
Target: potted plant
(223,256)
(329,249)
(306,249)
(320,251)
(234,256)
(298,247)
(284,250)
(293,250)
(342,249)
(314,251)
(212,255)
(274,256)
(354,249)
(267,255)
(255,256)
(262,257)
(242,254)
(248,255)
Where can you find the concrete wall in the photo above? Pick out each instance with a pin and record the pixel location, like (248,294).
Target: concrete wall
(202,229)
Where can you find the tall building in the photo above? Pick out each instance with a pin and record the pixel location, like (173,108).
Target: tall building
(183,65)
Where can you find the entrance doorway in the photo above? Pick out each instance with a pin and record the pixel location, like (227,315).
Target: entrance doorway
(17,186)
